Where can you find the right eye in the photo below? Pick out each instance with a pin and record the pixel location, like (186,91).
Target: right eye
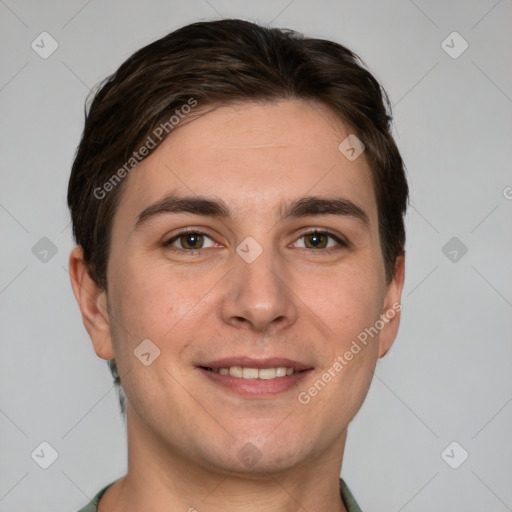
(189,241)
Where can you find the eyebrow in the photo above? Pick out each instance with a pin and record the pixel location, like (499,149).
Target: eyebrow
(302,207)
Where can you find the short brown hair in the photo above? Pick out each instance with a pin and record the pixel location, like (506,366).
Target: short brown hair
(215,63)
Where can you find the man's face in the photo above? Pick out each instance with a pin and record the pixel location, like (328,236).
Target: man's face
(251,284)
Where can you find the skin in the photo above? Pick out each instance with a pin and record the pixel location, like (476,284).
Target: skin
(294,300)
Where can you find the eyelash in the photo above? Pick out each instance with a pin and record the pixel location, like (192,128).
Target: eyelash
(195,252)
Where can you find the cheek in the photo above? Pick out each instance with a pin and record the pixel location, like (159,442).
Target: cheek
(150,301)
(349,310)
(348,302)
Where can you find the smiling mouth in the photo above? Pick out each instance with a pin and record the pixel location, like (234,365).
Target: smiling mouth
(243,372)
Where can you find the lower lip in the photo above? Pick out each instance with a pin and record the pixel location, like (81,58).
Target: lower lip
(257,387)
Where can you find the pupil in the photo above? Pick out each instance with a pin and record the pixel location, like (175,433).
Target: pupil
(316,239)
(191,240)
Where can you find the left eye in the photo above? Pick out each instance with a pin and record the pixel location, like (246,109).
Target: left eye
(319,240)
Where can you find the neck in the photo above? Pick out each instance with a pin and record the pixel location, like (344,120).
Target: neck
(159,474)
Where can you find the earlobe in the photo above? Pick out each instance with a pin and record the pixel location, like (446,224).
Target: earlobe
(92,301)
(392,307)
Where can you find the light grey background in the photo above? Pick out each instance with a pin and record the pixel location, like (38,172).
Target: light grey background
(449,375)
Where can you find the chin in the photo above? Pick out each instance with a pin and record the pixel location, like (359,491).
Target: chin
(257,460)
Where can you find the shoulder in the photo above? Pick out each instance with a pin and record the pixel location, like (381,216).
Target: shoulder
(92,506)
(348,497)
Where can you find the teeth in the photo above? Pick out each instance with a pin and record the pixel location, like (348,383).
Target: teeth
(250,373)
(255,373)
(270,373)
(236,371)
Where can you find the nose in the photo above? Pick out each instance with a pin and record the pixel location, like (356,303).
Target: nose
(259,294)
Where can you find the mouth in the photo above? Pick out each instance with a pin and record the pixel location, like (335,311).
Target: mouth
(255,377)
(241,372)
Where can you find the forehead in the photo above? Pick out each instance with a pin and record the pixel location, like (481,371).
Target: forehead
(256,157)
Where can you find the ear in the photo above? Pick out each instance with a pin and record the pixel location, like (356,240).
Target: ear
(92,301)
(391,310)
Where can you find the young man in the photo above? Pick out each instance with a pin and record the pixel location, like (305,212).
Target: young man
(238,201)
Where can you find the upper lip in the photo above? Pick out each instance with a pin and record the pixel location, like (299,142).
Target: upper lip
(249,362)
